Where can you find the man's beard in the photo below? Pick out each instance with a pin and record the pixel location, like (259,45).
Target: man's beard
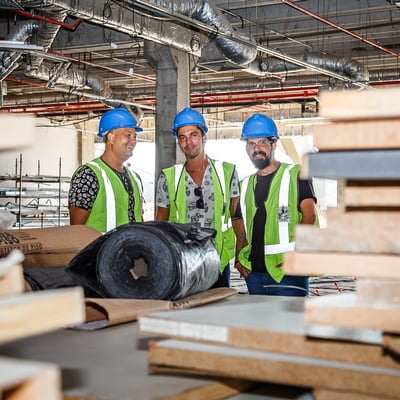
(261,163)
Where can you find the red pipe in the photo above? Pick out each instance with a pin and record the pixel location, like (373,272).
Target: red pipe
(340,28)
(50,20)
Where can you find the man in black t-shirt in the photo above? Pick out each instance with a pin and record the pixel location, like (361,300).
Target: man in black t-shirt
(273,201)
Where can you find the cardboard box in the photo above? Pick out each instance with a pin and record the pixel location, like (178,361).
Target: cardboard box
(47,247)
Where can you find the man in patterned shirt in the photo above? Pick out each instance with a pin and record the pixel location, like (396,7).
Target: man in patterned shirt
(103,192)
(201,190)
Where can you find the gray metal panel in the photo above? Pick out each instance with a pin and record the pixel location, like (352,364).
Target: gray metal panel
(360,164)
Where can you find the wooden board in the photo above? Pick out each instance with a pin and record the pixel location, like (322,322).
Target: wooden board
(276,324)
(348,310)
(357,164)
(23,380)
(38,312)
(11,274)
(342,218)
(348,238)
(342,264)
(361,134)
(378,289)
(372,196)
(359,104)
(275,367)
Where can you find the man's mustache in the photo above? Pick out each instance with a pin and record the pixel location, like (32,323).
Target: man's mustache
(257,153)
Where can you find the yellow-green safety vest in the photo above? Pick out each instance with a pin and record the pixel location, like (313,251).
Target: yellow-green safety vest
(222,173)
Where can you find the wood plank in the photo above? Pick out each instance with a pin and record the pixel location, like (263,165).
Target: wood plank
(372,196)
(22,380)
(38,312)
(348,238)
(11,274)
(357,164)
(361,134)
(342,264)
(326,394)
(359,104)
(343,218)
(378,289)
(283,331)
(275,367)
(348,310)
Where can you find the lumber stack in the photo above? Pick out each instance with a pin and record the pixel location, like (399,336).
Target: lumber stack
(360,146)
(341,346)
(27,314)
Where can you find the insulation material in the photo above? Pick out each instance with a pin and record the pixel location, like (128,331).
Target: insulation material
(148,260)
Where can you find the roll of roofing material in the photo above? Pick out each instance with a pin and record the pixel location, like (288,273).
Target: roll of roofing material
(148,260)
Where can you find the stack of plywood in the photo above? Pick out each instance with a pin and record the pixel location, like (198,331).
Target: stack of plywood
(28,314)
(361,147)
(341,346)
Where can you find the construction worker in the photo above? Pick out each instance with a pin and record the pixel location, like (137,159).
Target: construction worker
(273,201)
(103,192)
(200,190)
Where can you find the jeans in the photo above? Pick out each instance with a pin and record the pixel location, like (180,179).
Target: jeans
(290,285)
(224,278)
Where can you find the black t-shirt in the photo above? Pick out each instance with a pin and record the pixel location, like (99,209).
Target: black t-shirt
(263,183)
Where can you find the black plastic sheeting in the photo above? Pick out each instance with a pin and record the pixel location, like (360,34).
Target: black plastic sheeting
(148,260)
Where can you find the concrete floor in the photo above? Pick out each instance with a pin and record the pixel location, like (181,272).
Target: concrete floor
(111,364)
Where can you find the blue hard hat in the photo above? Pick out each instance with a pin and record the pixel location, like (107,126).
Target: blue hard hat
(258,126)
(117,118)
(186,117)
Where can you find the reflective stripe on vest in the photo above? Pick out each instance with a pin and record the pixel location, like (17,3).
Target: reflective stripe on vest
(219,169)
(283,226)
(110,199)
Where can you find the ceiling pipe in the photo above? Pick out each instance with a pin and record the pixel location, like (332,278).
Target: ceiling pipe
(49,20)
(340,28)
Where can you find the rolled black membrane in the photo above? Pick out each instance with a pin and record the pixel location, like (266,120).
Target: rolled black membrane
(181,260)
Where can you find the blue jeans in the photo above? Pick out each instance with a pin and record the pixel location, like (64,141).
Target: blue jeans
(290,285)
(224,279)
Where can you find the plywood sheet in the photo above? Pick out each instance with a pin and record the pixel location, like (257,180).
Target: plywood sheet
(342,264)
(348,237)
(276,324)
(348,310)
(22,380)
(360,104)
(275,367)
(372,196)
(360,134)
(38,312)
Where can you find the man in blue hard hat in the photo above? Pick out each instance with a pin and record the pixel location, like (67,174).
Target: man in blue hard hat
(273,201)
(201,190)
(103,192)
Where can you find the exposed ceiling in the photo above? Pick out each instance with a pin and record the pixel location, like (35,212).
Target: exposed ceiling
(74,57)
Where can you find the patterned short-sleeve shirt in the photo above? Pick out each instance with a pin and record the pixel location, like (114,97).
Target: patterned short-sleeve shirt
(85,187)
(203,216)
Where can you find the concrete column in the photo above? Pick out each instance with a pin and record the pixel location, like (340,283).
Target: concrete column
(172,95)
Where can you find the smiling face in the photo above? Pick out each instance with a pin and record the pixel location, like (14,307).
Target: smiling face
(122,141)
(191,141)
(260,151)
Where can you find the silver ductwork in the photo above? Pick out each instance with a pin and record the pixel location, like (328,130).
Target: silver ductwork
(12,60)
